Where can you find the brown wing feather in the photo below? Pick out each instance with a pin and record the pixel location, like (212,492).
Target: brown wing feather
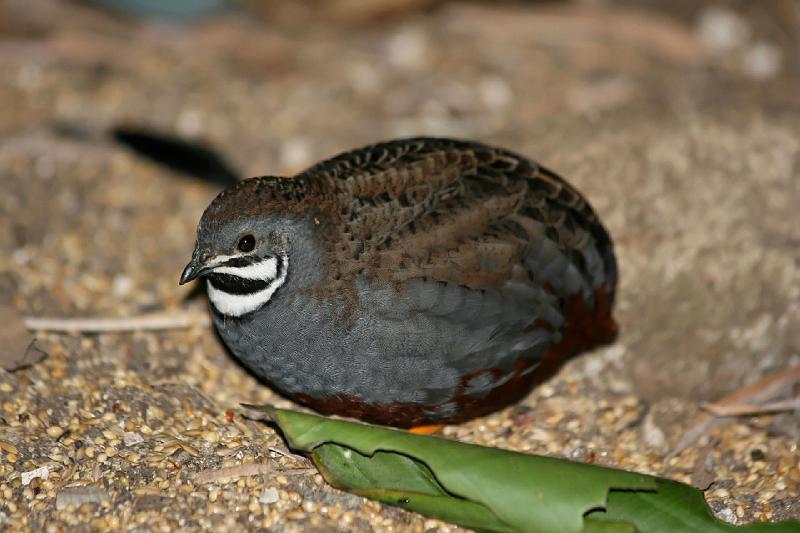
(453,211)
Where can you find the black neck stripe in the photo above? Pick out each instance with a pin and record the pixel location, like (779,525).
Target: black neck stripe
(235,285)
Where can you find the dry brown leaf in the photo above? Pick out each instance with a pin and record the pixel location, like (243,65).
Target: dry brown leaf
(717,409)
(760,392)
(17,347)
(703,470)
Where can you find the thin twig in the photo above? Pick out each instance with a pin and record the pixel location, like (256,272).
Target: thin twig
(296,471)
(760,392)
(288,454)
(178,320)
(752,410)
(228,473)
(703,469)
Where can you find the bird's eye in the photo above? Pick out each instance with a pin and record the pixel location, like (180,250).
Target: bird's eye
(247,243)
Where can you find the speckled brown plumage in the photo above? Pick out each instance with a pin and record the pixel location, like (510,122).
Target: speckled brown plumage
(438,209)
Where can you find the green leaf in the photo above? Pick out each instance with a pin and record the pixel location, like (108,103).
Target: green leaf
(403,482)
(523,491)
(595,525)
(676,507)
(488,489)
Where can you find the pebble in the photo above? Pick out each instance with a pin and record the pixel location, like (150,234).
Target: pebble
(727,515)
(77,496)
(41,472)
(131,438)
(295,153)
(652,435)
(269,496)
(762,61)
(722,29)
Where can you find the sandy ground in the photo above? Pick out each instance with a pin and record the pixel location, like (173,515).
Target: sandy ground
(689,153)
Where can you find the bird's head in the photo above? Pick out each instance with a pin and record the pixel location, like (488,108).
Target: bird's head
(249,239)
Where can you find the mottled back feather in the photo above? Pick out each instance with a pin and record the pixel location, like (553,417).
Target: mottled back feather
(451,211)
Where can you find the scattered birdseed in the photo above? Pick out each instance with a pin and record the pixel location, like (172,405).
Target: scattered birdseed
(55,431)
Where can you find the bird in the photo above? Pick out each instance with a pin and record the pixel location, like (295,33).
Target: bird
(410,283)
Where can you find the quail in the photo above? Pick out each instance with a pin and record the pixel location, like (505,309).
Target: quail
(413,282)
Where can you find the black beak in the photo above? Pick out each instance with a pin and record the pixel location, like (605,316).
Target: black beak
(189,273)
(196,268)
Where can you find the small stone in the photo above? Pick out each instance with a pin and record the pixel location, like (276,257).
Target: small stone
(295,153)
(77,496)
(652,435)
(495,92)
(152,502)
(727,515)
(121,286)
(722,29)
(721,493)
(41,472)
(131,438)
(762,61)
(269,496)
(407,48)
(190,122)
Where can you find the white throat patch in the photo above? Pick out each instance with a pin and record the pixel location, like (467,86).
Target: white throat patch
(264,270)
(235,305)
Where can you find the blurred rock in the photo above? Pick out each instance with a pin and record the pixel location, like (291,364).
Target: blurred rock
(295,154)
(652,435)
(762,61)
(722,29)
(77,496)
(407,48)
(495,92)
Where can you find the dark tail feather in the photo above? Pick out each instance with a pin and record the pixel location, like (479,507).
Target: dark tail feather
(187,157)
